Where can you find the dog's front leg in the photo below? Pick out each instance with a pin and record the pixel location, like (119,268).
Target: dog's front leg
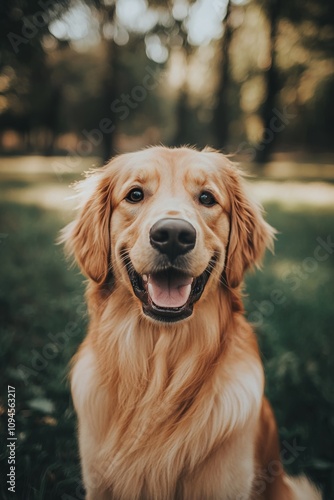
(227,474)
(90,400)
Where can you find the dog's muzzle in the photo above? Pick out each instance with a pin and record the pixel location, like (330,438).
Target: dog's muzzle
(169,291)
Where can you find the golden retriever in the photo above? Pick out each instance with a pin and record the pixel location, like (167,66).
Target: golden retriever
(168,384)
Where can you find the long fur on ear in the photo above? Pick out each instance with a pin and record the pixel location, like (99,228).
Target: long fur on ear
(87,238)
(250,235)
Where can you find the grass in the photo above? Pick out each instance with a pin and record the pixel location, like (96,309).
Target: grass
(39,297)
(296,336)
(43,321)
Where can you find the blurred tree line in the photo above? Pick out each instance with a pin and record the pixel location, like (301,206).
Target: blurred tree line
(253,77)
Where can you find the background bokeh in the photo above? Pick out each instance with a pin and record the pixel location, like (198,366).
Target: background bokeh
(83,80)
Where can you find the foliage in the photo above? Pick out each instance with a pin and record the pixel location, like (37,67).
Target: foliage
(296,336)
(38,297)
(261,55)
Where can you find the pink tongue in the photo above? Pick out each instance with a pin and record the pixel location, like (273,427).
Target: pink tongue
(170,291)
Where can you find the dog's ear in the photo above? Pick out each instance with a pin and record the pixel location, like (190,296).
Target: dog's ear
(87,238)
(250,235)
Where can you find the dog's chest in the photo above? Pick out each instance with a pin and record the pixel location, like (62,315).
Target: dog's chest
(146,454)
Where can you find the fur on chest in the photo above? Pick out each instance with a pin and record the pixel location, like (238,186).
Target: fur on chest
(148,445)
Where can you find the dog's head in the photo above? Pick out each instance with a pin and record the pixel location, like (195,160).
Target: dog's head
(171,225)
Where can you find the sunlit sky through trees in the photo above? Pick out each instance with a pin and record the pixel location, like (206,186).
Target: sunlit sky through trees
(229,68)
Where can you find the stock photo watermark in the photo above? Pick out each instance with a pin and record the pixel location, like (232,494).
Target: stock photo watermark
(56,344)
(31,25)
(288,455)
(11,439)
(290,452)
(120,107)
(294,278)
(279,121)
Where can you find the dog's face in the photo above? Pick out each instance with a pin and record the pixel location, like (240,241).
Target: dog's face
(172,225)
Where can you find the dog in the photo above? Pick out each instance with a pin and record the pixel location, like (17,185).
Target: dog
(168,383)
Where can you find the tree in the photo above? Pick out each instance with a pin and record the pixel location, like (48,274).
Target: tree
(107,13)
(221,114)
(23,63)
(272,83)
(182,118)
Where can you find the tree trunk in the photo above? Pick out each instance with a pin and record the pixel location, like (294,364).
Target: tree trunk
(265,147)
(110,94)
(221,115)
(181,133)
(110,88)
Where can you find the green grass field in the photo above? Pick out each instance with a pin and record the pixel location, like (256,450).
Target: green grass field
(43,320)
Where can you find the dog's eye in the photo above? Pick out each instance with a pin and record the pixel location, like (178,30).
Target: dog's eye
(207,199)
(135,195)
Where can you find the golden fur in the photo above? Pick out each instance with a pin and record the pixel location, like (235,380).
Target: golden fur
(172,410)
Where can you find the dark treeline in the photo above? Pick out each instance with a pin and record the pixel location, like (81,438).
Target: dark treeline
(73,76)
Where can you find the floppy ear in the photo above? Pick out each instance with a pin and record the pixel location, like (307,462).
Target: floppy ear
(250,235)
(88,237)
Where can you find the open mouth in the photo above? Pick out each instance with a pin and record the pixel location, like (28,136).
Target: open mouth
(168,295)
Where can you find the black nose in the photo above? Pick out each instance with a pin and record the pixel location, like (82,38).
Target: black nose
(173,237)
